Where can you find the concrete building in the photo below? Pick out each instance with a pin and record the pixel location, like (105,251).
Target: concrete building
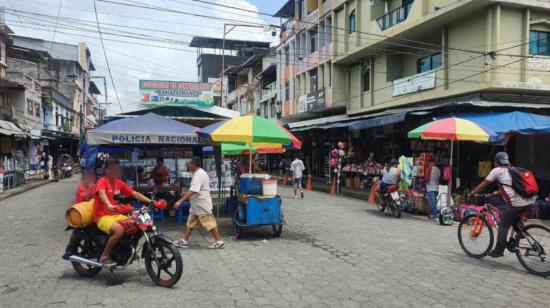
(392,54)
(64,74)
(251,87)
(234,52)
(304,59)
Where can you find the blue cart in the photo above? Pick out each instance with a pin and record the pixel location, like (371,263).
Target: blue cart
(254,211)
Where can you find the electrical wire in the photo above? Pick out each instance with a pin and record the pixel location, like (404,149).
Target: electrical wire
(56,22)
(106,58)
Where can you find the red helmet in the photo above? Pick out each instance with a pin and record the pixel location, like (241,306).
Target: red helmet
(161,204)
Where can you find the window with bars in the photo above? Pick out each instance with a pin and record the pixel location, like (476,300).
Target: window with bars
(538,43)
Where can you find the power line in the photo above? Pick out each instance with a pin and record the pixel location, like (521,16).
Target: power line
(106,58)
(56,21)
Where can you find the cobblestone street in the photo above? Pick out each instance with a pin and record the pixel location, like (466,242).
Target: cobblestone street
(333,252)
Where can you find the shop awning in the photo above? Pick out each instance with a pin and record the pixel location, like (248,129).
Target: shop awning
(511,122)
(11,129)
(378,121)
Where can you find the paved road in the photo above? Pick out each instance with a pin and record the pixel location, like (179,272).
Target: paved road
(333,252)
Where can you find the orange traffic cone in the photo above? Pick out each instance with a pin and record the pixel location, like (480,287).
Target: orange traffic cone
(333,188)
(309,185)
(285,179)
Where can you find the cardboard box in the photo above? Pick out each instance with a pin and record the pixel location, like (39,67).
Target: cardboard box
(421,204)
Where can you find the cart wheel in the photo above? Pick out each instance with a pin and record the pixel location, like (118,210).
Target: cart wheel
(277,230)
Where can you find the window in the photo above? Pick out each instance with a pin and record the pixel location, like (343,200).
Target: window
(272,108)
(37,109)
(538,43)
(287,55)
(313,80)
(328,31)
(313,41)
(366,78)
(265,110)
(429,63)
(352,22)
(329,74)
(287,91)
(30,107)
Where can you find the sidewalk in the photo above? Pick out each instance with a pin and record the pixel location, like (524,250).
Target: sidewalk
(23,188)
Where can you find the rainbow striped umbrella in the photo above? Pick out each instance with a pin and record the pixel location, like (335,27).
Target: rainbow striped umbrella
(251,130)
(453,129)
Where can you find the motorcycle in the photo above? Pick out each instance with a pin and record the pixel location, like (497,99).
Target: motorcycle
(65,171)
(163,261)
(65,167)
(392,199)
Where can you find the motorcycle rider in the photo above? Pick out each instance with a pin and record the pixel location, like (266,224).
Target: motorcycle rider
(390,176)
(84,192)
(107,212)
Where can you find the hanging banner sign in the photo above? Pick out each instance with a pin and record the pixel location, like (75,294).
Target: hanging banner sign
(160,92)
(416,83)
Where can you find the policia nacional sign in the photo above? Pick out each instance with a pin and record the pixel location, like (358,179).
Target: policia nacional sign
(117,138)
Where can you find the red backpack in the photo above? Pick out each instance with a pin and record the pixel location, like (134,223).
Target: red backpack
(524,182)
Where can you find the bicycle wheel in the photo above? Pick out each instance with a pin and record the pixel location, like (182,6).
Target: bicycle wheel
(475,236)
(533,248)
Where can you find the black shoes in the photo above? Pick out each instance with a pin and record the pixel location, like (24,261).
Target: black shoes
(496,253)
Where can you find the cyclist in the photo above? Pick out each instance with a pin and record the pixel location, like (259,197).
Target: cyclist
(515,204)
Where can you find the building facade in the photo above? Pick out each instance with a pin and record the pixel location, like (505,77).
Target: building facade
(397,64)
(251,87)
(304,59)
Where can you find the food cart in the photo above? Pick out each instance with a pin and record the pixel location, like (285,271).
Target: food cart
(256,202)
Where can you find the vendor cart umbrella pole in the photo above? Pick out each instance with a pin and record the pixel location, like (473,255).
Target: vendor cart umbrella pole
(453,129)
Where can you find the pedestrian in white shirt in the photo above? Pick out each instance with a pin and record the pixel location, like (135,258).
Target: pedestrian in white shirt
(297,168)
(201,206)
(432,189)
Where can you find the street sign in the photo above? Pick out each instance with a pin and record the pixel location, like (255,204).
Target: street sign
(161,92)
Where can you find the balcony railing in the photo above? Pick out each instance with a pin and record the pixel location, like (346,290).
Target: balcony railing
(269,92)
(288,30)
(395,16)
(313,16)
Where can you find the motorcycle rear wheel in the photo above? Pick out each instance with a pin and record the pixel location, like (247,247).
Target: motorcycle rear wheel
(167,255)
(86,249)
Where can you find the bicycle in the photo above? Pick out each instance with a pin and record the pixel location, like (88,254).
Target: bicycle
(530,243)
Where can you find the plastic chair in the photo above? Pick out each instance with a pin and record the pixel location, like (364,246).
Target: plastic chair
(183,211)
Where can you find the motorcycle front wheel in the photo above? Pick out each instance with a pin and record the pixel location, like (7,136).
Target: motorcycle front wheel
(163,264)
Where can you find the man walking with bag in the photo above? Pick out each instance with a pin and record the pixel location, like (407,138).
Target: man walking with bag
(201,206)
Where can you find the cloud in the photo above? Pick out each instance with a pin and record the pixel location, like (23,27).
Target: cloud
(131,62)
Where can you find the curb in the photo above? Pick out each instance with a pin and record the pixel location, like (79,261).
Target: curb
(15,192)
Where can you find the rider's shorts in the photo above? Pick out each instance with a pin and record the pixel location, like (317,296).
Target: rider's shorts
(104,223)
(206,220)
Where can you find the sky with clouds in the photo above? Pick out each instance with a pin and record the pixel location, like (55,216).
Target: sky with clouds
(160,53)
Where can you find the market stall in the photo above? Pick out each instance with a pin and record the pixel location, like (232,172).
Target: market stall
(257,202)
(140,143)
(490,129)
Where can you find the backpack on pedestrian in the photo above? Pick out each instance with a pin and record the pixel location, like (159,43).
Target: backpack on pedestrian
(523,182)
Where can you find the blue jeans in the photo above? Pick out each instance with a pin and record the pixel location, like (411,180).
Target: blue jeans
(432,201)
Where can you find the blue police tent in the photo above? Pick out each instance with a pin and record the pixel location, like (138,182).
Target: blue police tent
(128,134)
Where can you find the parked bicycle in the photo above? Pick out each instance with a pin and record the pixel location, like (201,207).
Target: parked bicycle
(530,243)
